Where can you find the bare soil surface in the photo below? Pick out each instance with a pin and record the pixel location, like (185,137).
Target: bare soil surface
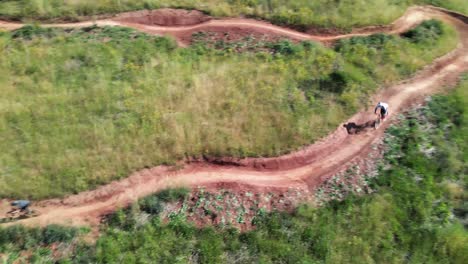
(164,17)
(304,169)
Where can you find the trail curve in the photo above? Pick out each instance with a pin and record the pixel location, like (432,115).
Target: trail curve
(183,34)
(306,168)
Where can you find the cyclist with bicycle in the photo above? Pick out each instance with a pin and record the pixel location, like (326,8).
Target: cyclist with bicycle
(383,107)
(20,206)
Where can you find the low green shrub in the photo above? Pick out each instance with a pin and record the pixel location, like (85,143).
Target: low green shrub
(29,31)
(55,233)
(171,195)
(376,41)
(427,31)
(23,238)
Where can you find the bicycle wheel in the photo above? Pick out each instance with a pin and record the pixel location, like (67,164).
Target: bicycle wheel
(377,122)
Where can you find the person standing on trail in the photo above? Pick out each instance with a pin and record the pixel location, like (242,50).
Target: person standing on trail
(383,108)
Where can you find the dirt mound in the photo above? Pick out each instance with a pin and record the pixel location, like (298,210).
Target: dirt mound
(164,17)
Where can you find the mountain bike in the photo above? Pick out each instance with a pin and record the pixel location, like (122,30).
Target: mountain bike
(16,215)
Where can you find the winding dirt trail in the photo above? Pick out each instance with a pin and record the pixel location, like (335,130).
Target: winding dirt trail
(304,169)
(183,34)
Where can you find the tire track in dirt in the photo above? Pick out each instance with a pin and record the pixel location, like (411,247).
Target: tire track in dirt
(306,168)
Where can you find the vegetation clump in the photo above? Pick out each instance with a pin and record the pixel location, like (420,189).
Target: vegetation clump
(426,32)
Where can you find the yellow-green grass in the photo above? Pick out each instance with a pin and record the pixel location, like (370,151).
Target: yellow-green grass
(342,14)
(83,108)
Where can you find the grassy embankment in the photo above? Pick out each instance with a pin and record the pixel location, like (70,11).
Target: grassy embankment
(418,214)
(343,14)
(82,108)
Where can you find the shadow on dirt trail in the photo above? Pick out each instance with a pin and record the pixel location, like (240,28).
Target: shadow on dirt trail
(352,128)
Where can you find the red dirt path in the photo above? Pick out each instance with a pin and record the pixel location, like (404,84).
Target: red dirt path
(303,169)
(164,17)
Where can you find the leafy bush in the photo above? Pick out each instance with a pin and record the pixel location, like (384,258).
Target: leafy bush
(55,233)
(427,31)
(154,204)
(376,41)
(173,194)
(285,47)
(29,31)
(24,238)
(151,205)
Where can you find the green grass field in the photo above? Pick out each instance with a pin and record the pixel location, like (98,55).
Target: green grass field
(417,214)
(342,14)
(89,106)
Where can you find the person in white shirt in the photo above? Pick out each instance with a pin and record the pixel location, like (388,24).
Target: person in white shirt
(383,107)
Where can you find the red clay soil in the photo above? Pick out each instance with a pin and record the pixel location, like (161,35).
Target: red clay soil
(304,169)
(164,17)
